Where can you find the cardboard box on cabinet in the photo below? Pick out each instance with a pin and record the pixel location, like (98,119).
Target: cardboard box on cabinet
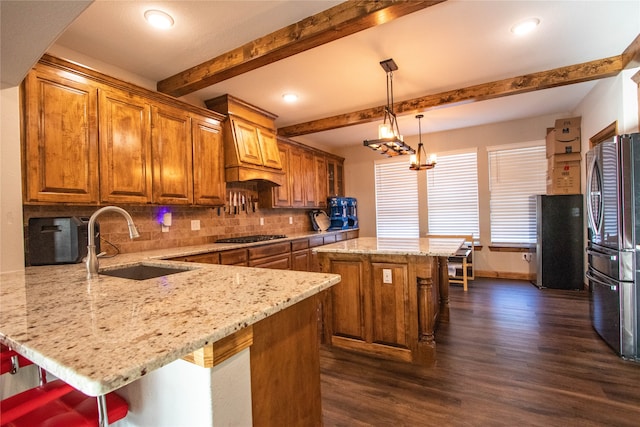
(564,138)
(563,174)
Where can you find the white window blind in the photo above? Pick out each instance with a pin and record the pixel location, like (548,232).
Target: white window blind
(516,175)
(452,194)
(397,210)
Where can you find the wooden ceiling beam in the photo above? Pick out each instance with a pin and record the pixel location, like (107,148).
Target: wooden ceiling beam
(562,76)
(339,21)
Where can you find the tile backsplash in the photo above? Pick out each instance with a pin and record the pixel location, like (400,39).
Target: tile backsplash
(214,224)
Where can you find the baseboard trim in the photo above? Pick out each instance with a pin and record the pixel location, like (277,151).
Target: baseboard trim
(505,275)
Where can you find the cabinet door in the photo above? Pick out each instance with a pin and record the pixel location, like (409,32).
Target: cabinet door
(298,180)
(61,139)
(125,148)
(248,145)
(390,307)
(300,260)
(340,178)
(348,300)
(282,194)
(321,181)
(208,163)
(172,151)
(309,170)
(269,149)
(335,185)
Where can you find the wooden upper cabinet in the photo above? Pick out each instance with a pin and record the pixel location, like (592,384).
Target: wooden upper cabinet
(208,162)
(269,149)
(255,145)
(321,181)
(172,155)
(298,177)
(60,144)
(309,169)
(92,139)
(335,177)
(247,143)
(306,177)
(282,194)
(125,148)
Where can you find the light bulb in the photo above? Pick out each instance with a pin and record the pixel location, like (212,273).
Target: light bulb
(158,19)
(384,131)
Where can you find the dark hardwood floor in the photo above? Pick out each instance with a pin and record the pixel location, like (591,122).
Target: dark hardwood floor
(509,354)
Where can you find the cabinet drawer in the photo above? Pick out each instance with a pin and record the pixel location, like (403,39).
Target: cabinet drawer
(268,250)
(298,245)
(329,239)
(341,236)
(280,262)
(316,241)
(208,258)
(233,256)
(352,234)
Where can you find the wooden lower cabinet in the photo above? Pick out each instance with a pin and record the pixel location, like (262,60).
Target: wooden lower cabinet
(294,255)
(285,368)
(278,262)
(300,255)
(386,305)
(234,257)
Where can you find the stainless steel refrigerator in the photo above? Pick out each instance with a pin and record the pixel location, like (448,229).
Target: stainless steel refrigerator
(560,241)
(613,217)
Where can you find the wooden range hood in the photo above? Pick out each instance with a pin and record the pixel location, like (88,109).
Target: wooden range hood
(250,145)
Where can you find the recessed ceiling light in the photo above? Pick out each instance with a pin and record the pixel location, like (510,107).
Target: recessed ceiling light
(158,19)
(290,97)
(525,27)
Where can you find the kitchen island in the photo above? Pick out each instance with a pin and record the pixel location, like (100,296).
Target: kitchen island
(390,297)
(110,333)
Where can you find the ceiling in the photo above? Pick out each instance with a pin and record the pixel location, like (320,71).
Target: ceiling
(447,46)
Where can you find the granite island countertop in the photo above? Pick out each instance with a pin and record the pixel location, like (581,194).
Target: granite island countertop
(423,246)
(103,333)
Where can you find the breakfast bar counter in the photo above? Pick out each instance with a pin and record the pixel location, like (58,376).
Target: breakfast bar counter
(103,333)
(391,295)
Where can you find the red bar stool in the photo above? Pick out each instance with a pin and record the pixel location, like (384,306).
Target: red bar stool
(55,404)
(10,361)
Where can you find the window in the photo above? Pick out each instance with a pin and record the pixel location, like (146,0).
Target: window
(516,174)
(397,209)
(452,194)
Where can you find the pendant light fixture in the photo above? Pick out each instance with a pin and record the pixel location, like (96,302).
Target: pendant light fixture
(416,162)
(389,140)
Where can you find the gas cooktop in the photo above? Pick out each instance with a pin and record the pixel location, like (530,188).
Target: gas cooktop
(252,239)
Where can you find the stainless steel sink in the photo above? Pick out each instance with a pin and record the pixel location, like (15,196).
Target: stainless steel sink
(143,271)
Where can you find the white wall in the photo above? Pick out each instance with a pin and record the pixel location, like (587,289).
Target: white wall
(11,234)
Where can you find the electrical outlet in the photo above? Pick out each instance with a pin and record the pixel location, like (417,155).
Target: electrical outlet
(290,220)
(261,221)
(387,277)
(195,224)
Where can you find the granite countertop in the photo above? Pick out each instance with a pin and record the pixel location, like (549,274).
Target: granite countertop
(440,247)
(103,333)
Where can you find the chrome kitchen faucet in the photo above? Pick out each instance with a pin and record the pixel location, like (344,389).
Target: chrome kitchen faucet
(92,259)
